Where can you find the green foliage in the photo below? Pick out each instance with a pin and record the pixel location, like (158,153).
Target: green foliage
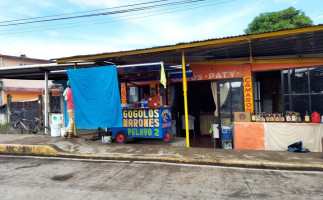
(2,127)
(286,19)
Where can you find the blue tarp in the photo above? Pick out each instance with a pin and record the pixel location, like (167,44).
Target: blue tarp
(96,97)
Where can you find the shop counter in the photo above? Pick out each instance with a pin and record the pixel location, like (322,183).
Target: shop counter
(277,136)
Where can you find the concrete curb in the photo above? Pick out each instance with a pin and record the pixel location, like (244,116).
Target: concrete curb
(52,151)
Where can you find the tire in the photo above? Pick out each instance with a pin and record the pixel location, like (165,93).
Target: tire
(121,137)
(12,128)
(169,137)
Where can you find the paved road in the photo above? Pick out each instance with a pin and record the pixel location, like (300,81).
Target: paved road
(46,178)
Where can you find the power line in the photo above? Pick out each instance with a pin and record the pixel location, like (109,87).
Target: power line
(110,21)
(105,13)
(130,5)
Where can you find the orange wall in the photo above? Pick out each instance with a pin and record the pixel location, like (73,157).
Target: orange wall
(21,96)
(249,135)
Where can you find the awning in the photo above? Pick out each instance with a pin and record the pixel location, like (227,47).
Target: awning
(150,71)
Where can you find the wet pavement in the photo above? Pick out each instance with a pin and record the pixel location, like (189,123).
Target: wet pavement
(155,150)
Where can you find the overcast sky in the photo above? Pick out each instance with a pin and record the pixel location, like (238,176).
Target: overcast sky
(160,23)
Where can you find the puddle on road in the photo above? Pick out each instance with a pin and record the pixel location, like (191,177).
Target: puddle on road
(62,177)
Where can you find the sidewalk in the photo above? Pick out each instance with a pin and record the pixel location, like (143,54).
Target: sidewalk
(148,150)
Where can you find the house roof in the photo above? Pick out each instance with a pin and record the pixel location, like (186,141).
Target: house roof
(24,57)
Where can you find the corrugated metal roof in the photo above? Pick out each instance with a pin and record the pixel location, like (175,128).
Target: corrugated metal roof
(236,49)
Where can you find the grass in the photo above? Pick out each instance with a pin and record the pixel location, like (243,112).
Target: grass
(2,127)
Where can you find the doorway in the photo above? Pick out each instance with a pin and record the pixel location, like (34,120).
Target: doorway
(230,100)
(201,108)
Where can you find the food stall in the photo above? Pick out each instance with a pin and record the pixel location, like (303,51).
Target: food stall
(150,117)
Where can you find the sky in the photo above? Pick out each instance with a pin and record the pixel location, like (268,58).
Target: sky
(163,22)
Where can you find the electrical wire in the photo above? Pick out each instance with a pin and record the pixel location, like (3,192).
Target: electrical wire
(105,21)
(130,5)
(104,13)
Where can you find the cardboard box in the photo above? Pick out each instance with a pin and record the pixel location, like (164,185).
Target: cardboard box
(242,116)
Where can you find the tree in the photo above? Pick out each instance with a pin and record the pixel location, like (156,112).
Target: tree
(273,21)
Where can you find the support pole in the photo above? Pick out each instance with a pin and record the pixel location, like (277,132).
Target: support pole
(46,102)
(185,101)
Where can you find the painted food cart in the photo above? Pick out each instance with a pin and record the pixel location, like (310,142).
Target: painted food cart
(153,123)
(153,120)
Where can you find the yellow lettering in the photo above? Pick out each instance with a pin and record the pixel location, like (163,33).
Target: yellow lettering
(140,114)
(145,122)
(151,123)
(124,114)
(125,122)
(130,123)
(145,114)
(156,113)
(135,114)
(140,122)
(151,113)
(156,122)
(135,122)
(130,114)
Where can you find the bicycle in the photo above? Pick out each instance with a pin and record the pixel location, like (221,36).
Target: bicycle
(18,125)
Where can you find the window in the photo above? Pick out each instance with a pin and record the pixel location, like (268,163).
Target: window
(303,89)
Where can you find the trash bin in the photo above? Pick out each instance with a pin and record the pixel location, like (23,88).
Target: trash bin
(55,130)
(106,137)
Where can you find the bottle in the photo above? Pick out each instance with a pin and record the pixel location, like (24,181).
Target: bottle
(267,117)
(288,118)
(321,118)
(271,118)
(277,117)
(253,117)
(262,117)
(299,118)
(282,118)
(257,117)
(294,118)
(307,117)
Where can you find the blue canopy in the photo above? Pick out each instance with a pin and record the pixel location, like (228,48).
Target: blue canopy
(96,97)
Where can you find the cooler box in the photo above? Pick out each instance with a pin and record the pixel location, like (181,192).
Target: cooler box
(226,133)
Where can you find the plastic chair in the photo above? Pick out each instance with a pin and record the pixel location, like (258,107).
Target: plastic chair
(190,123)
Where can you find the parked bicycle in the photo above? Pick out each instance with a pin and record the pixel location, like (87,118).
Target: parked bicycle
(19,125)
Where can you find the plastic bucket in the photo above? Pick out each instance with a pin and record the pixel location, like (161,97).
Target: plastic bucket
(55,130)
(106,137)
(63,131)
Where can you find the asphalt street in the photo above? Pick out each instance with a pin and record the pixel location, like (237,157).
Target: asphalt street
(58,178)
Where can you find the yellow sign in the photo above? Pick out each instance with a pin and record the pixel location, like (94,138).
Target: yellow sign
(248,96)
(141,118)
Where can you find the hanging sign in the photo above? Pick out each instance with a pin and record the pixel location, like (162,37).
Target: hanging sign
(248,96)
(123,93)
